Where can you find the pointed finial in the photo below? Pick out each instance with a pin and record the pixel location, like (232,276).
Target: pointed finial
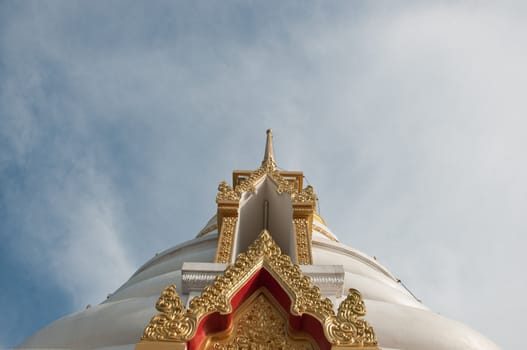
(269,156)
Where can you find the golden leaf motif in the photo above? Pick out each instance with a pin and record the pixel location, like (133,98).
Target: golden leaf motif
(269,169)
(262,327)
(226,193)
(172,323)
(302,241)
(306,196)
(347,328)
(223,253)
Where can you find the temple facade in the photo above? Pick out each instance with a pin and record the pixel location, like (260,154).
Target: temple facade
(265,272)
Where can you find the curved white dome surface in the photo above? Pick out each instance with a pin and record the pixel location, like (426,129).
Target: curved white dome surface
(399,320)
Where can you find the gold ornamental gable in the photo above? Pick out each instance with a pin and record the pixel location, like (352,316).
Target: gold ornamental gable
(178,325)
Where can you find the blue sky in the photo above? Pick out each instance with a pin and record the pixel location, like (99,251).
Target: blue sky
(119,119)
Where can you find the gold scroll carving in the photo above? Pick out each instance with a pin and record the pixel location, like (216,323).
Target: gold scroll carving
(347,326)
(283,184)
(226,237)
(307,195)
(303,240)
(261,326)
(172,323)
(177,324)
(226,193)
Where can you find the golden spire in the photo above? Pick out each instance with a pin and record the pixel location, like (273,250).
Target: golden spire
(268,160)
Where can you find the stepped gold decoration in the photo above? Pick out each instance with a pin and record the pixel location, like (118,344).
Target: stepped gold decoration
(261,326)
(346,329)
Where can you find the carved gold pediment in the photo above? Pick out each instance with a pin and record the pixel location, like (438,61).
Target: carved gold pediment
(177,324)
(260,324)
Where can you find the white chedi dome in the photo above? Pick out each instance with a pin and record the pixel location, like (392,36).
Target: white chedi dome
(399,320)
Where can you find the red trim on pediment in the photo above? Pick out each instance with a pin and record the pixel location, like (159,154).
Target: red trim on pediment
(216,322)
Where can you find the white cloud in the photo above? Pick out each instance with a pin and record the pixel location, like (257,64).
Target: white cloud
(74,235)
